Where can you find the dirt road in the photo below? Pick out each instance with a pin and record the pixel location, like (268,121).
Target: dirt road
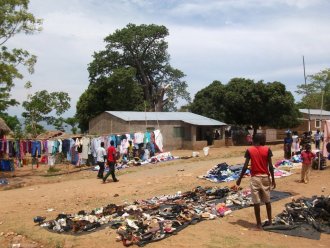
(82,191)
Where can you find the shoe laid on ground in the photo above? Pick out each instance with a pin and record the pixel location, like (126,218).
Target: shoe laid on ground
(266,223)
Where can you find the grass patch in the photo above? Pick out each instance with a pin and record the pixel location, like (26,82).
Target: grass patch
(125,172)
(223,241)
(13,186)
(53,169)
(266,246)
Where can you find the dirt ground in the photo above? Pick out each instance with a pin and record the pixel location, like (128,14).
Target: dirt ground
(35,192)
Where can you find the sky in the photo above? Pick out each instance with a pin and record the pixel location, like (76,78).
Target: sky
(208,40)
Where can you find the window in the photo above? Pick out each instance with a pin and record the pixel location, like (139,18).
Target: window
(178,132)
(317,123)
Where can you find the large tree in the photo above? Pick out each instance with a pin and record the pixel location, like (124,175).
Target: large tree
(14,19)
(119,91)
(143,48)
(41,107)
(209,101)
(316,90)
(259,104)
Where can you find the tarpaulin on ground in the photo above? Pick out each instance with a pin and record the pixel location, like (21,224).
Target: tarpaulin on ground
(304,217)
(145,221)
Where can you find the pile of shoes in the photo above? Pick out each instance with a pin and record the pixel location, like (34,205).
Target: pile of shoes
(313,212)
(145,221)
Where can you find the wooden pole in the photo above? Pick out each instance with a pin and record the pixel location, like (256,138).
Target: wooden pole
(309,112)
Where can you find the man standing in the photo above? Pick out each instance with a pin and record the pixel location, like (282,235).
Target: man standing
(317,139)
(287,145)
(101,156)
(261,170)
(111,162)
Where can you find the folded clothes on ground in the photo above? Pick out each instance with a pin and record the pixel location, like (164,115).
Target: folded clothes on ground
(225,173)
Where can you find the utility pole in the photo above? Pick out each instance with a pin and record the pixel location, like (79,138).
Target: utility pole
(309,112)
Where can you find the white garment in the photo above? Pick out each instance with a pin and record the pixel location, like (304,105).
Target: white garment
(85,149)
(51,160)
(123,146)
(50,145)
(96,143)
(295,143)
(159,139)
(138,138)
(59,146)
(100,153)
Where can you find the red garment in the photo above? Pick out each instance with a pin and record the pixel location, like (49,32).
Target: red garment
(111,154)
(259,159)
(307,157)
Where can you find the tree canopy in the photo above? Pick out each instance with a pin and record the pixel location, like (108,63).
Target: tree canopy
(245,102)
(209,101)
(318,85)
(14,19)
(39,107)
(120,91)
(144,49)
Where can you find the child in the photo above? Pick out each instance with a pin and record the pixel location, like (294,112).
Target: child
(307,158)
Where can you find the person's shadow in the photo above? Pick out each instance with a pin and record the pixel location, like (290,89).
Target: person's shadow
(243,223)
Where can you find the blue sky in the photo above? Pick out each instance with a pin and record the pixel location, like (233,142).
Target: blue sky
(209,40)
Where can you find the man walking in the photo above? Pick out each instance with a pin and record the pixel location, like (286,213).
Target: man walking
(101,156)
(261,170)
(111,162)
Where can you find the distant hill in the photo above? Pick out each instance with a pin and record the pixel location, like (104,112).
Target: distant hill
(67,129)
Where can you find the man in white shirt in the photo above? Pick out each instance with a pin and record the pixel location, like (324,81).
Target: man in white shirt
(101,156)
(317,139)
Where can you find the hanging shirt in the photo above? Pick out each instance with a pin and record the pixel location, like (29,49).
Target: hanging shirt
(159,140)
(85,147)
(138,138)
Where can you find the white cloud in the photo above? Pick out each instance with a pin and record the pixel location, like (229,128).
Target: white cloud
(209,40)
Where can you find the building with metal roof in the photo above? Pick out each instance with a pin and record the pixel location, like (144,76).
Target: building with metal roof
(179,129)
(313,119)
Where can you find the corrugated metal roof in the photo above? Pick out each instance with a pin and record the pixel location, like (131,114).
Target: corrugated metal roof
(186,117)
(315,111)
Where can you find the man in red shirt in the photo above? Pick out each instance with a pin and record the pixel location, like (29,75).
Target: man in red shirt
(111,162)
(261,170)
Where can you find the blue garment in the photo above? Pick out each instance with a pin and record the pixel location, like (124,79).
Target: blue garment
(147,137)
(36,148)
(113,137)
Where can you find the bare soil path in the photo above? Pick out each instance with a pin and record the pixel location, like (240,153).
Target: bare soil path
(72,192)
